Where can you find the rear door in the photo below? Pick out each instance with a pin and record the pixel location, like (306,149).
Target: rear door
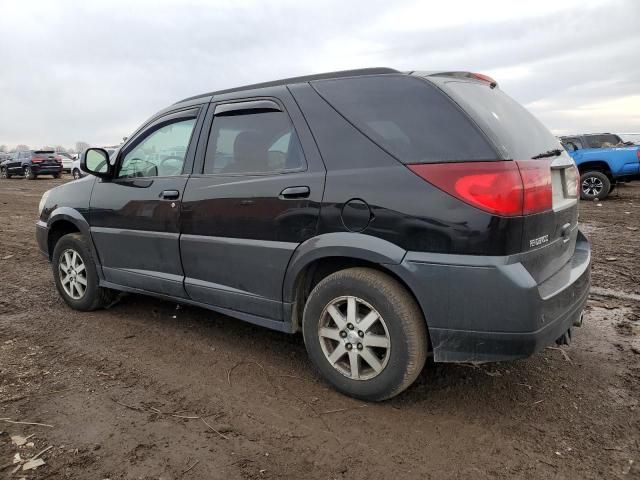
(135,217)
(254,197)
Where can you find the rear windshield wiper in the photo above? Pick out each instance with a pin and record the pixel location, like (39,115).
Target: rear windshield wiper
(550,153)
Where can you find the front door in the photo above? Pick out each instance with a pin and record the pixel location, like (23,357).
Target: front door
(135,217)
(256,198)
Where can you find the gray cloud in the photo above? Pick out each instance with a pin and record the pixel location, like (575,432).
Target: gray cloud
(94,70)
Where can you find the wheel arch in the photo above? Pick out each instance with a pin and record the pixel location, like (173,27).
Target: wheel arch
(598,165)
(325,254)
(65,220)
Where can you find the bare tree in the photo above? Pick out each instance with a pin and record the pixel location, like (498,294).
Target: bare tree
(60,149)
(81,146)
(3,148)
(22,147)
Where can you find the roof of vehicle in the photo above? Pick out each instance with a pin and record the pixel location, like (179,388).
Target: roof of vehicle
(345,74)
(304,78)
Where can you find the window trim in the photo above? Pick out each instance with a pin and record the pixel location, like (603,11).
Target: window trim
(176,116)
(248,111)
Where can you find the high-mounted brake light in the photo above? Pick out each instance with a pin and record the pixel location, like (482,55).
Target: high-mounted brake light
(505,188)
(485,78)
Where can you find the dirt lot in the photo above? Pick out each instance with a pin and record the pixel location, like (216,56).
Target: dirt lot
(118,389)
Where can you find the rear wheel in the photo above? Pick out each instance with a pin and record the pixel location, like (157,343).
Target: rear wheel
(4,173)
(56,175)
(365,333)
(28,173)
(75,274)
(76,173)
(594,184)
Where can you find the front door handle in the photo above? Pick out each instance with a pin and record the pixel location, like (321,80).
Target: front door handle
(170,194)
(291,193)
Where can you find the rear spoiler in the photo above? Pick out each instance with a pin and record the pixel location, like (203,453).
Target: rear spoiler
(465,75)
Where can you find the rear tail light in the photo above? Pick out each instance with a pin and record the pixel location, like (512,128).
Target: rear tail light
(572,181)
(638,154)
(37,159)
(505,188)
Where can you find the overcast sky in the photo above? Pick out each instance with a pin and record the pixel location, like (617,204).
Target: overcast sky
(94,70)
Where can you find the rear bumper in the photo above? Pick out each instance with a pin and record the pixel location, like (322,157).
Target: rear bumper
(483,309)
(46,169)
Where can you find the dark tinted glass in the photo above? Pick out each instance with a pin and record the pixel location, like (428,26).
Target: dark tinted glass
(253,143)
(517,133)
(603,141)
(408,117)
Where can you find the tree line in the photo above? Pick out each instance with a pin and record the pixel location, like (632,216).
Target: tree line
(79,147)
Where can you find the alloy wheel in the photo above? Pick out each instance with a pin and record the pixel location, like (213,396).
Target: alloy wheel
(73,274)
(592,186)
(27,172)
(354,338)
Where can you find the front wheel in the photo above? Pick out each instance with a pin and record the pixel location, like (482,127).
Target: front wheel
(365,333)
(75,274)
(76,173)
(594,184)
(28,173)
(4,173)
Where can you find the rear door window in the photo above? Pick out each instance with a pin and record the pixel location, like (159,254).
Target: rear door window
(408,117)
(253,142)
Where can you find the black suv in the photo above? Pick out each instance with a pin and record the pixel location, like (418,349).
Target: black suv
(387,216)
(31,163)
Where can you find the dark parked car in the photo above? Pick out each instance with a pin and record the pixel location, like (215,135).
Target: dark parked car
(31,163)
(387,216)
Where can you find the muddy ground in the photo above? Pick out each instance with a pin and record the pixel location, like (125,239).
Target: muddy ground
(117,389)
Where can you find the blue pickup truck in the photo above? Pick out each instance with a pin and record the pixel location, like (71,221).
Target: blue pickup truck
(603,159)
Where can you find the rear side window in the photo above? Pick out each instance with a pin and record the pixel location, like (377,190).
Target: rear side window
(515,131)
(253,142)
(408,117)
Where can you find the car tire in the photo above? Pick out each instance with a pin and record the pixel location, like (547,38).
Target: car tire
(56,175)
(76,174)
(594,184)
(28,173)
(75,274)
(4,173)
(397,339)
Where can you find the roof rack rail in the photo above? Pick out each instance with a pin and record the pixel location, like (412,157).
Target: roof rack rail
(304,78)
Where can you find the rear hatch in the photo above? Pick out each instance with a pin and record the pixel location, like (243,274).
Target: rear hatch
(548,237)
(45,158)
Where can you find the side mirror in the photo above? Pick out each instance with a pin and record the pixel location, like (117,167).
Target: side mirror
(96,162)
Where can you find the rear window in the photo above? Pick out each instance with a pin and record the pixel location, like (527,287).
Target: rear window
(408,117)
(43,152)
(515,131)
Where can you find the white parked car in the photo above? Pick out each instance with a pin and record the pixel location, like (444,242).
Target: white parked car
(67,161)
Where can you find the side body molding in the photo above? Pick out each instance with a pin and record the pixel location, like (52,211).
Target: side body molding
(339,244)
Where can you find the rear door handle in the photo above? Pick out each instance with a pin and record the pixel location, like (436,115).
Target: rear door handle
(291,193)
(170,194)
